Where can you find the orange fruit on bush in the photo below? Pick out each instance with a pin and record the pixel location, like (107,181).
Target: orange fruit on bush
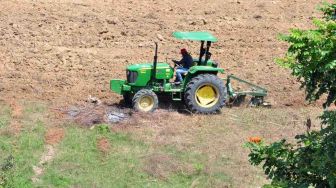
(255,139)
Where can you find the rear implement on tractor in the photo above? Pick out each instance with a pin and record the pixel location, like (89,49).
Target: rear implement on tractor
(202,90)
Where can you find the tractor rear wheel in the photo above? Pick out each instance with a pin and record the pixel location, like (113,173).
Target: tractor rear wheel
(145,101)
(205,94)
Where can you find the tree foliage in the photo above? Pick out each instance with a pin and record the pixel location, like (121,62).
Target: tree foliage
(312,56)
(312,160)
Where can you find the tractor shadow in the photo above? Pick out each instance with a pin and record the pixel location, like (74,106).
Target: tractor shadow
(168,104)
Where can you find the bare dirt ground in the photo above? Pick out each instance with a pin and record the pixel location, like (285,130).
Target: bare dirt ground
(103,145)
(63,51)
(54,135)
(60,52)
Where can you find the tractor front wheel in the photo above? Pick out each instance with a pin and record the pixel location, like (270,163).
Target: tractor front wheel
(145,101)
(205,94)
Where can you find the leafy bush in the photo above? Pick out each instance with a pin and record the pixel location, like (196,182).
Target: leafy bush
(312,160)
(312,58)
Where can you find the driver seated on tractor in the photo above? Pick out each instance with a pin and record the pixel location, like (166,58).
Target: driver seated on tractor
(184,64)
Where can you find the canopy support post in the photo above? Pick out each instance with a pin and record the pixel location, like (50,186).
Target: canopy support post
(201,53)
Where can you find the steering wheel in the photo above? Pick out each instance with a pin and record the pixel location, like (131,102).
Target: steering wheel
(175,63)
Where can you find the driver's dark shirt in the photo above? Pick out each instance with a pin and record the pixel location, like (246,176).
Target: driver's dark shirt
(186,61)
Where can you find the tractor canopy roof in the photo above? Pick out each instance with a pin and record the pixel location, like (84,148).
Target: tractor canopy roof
(195,35)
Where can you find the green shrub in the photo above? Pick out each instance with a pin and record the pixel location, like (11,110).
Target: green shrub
(312,160)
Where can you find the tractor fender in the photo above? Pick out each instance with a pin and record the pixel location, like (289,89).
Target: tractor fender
(196,70)
(205,69)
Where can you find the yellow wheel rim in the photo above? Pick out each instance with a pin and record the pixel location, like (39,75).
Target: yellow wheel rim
(146,103)
(207,95)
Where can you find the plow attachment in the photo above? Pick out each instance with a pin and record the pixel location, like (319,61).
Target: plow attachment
(256,93)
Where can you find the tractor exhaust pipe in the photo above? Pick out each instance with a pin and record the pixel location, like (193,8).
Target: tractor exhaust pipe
(155,61)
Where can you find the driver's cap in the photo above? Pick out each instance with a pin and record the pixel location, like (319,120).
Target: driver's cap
(183,51)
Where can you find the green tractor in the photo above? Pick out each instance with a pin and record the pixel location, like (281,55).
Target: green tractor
(202,90)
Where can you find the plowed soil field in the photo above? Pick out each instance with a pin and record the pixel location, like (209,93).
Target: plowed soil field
(63,51)
(54,54)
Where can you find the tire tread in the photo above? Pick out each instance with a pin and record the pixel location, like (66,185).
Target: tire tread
(190,93)
(144,92)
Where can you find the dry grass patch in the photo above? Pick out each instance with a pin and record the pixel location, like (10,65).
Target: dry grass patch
(161,165)
(54,135)
(103,145)
(214,143)
(15,127)
(16,109)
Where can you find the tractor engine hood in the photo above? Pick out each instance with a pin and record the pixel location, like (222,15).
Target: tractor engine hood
(144,66)
(140,74)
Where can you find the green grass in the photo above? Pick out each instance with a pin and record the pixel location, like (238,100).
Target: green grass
(26,148)
(79,163)
(5,114)
(198,151)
